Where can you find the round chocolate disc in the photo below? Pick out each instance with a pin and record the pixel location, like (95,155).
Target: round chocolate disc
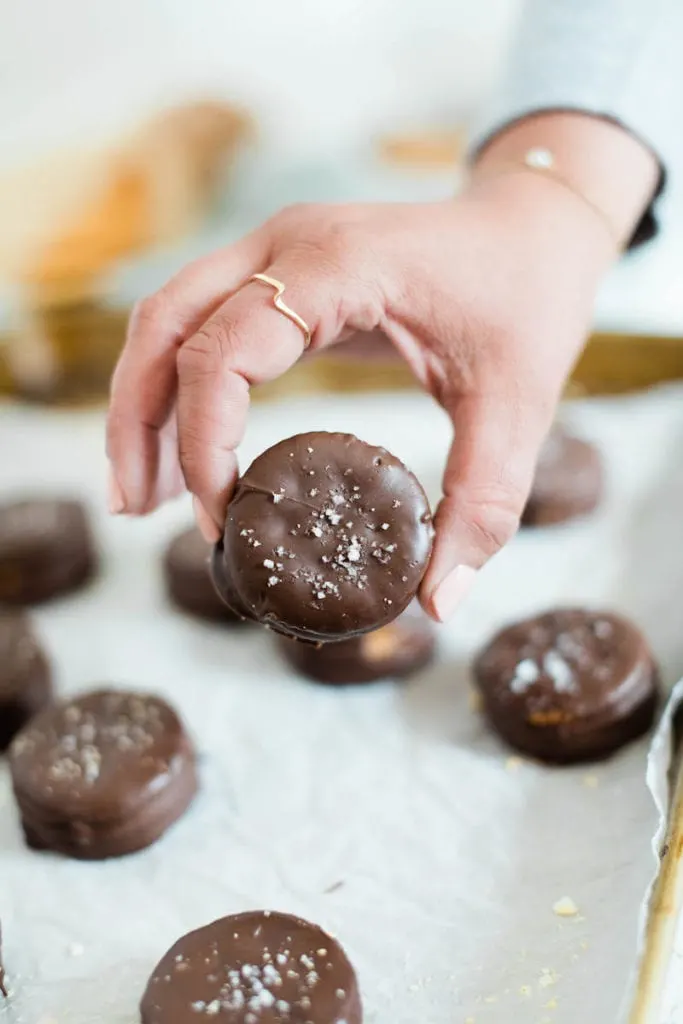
(25,677)
(568,483)
(570,685)
(326,538)
(395,651)
(254,968)
(188,579)
(46,549)
(102,775)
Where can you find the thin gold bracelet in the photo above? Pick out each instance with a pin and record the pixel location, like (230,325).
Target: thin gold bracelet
(540,160)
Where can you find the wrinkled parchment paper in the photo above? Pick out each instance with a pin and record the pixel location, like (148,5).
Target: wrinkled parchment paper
(390,815)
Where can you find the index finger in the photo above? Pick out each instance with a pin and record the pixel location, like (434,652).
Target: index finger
(247,341)
(144,385)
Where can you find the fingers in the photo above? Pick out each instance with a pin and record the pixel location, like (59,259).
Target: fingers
(247,341)
(143,392)
(487,480)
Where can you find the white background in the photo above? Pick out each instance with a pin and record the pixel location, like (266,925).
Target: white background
(320,74)
(323,78)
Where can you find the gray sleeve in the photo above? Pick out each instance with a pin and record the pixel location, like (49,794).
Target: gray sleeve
(620,59)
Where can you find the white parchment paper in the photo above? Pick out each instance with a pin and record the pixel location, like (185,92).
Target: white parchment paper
(389,815)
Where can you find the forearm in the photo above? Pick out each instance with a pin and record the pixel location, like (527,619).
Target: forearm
(607,169)
(618,60)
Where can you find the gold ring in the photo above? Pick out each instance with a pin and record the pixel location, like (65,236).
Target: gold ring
(282,308)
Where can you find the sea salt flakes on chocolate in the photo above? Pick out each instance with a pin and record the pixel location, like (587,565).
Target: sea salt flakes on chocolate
(526,674)
(569,685)
(103,775)
(559,671)
(344,574)
(245,987)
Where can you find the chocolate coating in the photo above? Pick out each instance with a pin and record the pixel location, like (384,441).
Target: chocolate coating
(46,550)
(25,676)
(188,579)
(570,685)
(397,650)
(569,481)
(102,775)
(326,538)
(254,968)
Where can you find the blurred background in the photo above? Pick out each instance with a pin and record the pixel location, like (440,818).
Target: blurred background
(137,135)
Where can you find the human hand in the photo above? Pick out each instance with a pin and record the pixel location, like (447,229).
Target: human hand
(488,298)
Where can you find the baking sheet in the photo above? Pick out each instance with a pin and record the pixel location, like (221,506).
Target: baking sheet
(388,815)
(656,991)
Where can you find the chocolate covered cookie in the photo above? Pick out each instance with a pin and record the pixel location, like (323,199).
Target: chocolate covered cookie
(25,676)
(188,578)
(103,775)
(568,483)
(570,685)
(254,968)
(326,538)
(46,549)
(394,651)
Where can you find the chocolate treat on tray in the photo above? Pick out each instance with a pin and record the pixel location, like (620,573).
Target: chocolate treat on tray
(102,775)
(395,651)
(568,483)
(188,579)
(25,676)
(569,685)
(46,549)
(255,968)
(326,538)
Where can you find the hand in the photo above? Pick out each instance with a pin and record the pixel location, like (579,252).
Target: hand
(488,298)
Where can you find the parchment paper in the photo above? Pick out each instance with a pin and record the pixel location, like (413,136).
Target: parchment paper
(390,815)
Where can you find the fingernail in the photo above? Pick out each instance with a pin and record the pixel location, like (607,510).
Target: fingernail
(207,526)
(115,499)
(452,590)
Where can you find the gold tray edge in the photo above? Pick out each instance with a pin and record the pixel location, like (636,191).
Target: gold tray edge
(611,363)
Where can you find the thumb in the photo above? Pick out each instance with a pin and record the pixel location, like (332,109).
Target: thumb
(487,480)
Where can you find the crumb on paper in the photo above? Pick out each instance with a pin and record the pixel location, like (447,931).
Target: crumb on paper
(591,781)
(474,700)
(550,1005)
(335,887)
(525,990)
(584,944)
(471,1020)
(548,977)
(491,999)
(565,907)
(513,764)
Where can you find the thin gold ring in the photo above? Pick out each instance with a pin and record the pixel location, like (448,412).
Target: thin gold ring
(282,308)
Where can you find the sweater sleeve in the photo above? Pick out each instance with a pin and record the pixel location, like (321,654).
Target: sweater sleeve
(617,59)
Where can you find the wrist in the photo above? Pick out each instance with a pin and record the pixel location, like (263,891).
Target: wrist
(598,163)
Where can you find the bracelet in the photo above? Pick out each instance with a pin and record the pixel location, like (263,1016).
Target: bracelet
(540,160)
